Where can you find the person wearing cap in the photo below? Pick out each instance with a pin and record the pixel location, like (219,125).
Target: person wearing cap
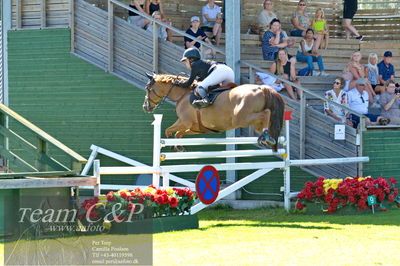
(198,34)
(358,100)
(212,20)
(208,73)
(385,68)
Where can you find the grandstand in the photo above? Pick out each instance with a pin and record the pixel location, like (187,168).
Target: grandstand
(132,53)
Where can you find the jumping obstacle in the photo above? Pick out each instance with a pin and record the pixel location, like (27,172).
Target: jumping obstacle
(164,171)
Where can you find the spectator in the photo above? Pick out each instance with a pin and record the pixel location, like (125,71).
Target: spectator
(286,70)
(272,40)
(354,71)
(339,96)
(349,10)
(264,20)
(134,18)
(162,31)
(307,53)
(385,68)
(358,99)
(321,29)
(300,20)
(212,20)
(266,16)
(156,5)
(372,72)
(390,102)
(199,34)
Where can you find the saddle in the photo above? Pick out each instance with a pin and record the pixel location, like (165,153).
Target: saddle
(211,96)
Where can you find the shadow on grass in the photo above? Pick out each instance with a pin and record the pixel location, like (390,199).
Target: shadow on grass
(272,216)
(282,225)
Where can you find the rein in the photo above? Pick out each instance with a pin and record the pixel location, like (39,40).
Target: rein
(162,98)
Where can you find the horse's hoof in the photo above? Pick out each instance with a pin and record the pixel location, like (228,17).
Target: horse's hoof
(266,140)
(178,148)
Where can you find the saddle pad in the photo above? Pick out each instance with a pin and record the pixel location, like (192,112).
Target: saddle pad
(211,96)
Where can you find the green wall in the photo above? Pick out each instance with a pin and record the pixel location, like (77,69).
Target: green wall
(80,104)
(383,149)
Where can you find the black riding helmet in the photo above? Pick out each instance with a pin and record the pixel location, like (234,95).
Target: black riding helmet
(191,53)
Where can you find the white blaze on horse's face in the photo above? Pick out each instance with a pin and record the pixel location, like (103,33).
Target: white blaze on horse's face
(152,99)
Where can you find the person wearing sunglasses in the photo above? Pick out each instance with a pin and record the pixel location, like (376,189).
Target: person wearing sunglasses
(301,20)
(339,96)
(358,99)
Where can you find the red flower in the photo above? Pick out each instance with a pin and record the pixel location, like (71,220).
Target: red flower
(319,191)
(93,215)
(110,196)
(392,180)
(383,210)
(173,202)
(301,195)
(300,206)
(391,197)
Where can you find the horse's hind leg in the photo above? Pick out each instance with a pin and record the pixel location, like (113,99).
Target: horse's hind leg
(259,121)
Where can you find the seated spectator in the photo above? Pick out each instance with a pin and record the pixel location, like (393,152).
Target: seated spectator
(300,20)
(162,31)
(321,29)
(156,5)
(212,20)
(286,70)
(372,73)
(358,99)
(273,40)
(134,18)
(264,20)
(390,102)
(198,34)
(307,53)
(386,69)
(266,16)
(339,96)
(355,70)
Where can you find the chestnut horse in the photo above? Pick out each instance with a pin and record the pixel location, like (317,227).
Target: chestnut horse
(245,105)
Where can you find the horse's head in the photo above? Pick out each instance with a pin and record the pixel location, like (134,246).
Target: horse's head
(154,94)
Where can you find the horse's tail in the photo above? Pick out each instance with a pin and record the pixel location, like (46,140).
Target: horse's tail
(276,104)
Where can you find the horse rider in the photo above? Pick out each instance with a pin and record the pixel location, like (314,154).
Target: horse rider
(208,72)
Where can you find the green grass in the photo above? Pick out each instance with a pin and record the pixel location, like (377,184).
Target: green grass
(274,237)
(270,236)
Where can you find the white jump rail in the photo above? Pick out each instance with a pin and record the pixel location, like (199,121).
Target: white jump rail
(164,171)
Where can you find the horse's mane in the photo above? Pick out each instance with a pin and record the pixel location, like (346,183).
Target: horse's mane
(168,78)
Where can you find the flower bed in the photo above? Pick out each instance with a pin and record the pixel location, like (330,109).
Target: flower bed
(138,204)
(339,193)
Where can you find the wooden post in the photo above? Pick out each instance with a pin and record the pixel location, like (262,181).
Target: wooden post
(18,14)
(41,149)
(360,146)
(96,173)
(302,125)
(155,47)
(251,75)
(72,24)
(43,14)
(110,36)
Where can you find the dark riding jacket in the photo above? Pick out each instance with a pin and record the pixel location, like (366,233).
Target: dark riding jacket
(200,70)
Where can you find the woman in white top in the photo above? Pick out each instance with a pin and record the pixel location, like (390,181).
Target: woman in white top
(339,96)
(308,54)
(372,73)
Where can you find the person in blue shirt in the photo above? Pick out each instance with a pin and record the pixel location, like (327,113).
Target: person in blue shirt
(385,68)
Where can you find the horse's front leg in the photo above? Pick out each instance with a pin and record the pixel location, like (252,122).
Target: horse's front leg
(177,126)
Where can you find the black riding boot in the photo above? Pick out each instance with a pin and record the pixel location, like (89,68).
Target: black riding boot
(203,94)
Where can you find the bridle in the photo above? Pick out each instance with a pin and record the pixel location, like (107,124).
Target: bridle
(160,99)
